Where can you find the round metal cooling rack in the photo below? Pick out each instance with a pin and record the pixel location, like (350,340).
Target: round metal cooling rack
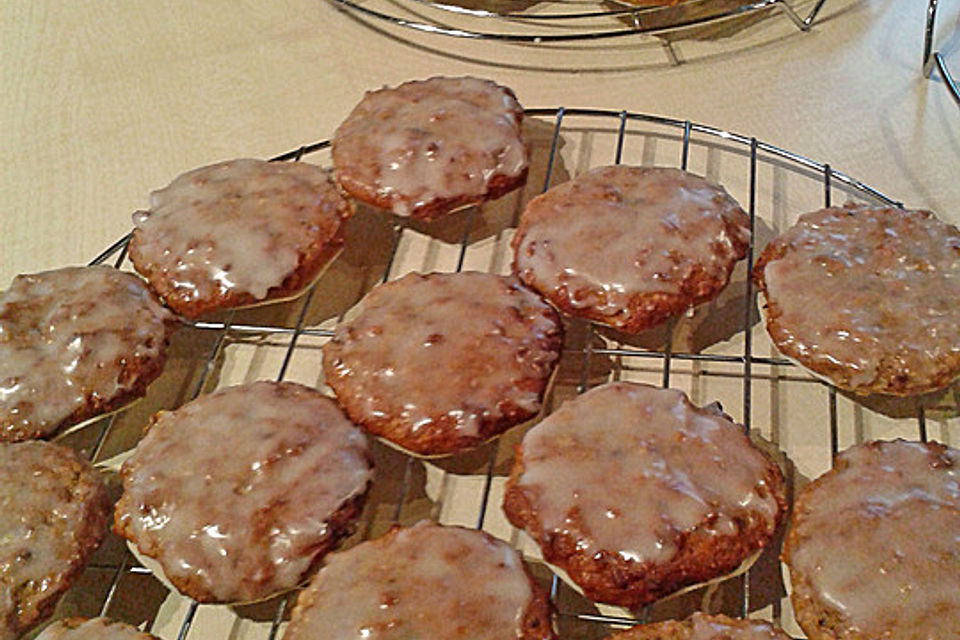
(562,20)
(934,59)
(564,141)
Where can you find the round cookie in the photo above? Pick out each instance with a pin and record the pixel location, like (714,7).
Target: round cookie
(874,544)
(75,343)
(629,247)
(54,512)
(92,629)
(867,297)
(441,363)
(240,493)
(237,233)
(636,493)
(426,581)
(430,146)
(701,626)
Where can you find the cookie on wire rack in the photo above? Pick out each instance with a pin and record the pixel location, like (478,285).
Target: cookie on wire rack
(440,363)
(630,247)
(427,147)
(239,233)
(76,343)
(425,581)
(874,544)
(637,494)
(702,626)
(54,512)
(240,493)
(92,629)
(867,298)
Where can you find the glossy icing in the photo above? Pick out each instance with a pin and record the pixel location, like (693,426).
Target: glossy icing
(428,581)
(861,289)
(70,338)
(455,347)
(431,140)
(53,513)
(627,468)
(878,539)
(246,521)
(240,226)
(705,627)
(618,232)
(92,629)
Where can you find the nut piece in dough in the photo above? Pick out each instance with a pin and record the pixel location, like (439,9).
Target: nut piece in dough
(75,343)
(636,493)
(874,545)
(427,147)
(441,363)
(54,512)
(630,247)
(867,297)
(238,233)
(426,581)
(239,494)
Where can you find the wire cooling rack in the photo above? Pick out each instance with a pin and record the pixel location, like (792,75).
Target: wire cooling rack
(934,59)
(561,20)
(720,352)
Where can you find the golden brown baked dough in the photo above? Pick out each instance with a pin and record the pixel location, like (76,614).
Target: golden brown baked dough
(92,629)
(441,363)
(238,233)
(75,343)
(867,297)
(630,247)
(426,581)
(874,545)
(427,147)
(701,626)
(636,493)
(54,512)
(242,522)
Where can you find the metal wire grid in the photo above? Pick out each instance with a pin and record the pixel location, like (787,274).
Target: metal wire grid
(934,59)
(590,23)
(757,153)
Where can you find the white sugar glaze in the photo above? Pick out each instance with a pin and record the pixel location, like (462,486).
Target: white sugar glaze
(858,288)
(248,522)
(431,140)
(617,232)
(92,629)
(455,346)
(879,540)
(625,468)
(427,581)
(237,226)
(65,336)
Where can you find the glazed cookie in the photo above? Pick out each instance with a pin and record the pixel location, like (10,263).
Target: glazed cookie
(240,493)
(76,343)
(867,297)
(701,626)
(54,512)
(874,545)
(442,362)
(629,247)
(92,629)
(636,493)
(238,233)
(430,146)
(427,581)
